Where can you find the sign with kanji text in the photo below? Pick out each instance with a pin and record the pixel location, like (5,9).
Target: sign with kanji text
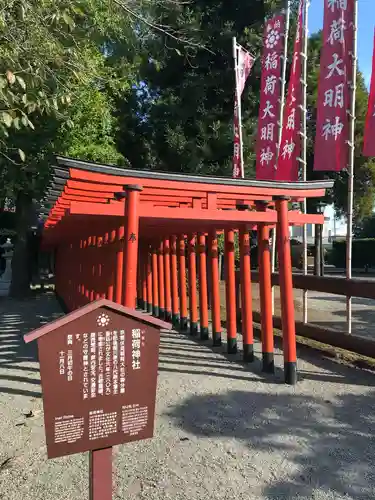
(98,369)
(369,137)
(269,110)
(332,126)
(290,146)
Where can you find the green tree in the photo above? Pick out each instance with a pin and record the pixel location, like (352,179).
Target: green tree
(182,108)
(60,63)
(89,134)
(51,53)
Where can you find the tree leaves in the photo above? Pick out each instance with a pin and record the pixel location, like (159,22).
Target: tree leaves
(10,77)
(21,81)
(7,119)
(68,20)
(22,155)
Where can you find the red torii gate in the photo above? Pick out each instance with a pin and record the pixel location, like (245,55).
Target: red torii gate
(121,234)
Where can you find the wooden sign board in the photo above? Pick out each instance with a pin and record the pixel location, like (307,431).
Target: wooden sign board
(98,369)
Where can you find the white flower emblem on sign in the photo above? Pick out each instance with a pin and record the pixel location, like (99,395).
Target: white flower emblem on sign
(103,320)
(272,38)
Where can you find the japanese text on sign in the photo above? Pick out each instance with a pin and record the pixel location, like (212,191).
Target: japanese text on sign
(331,148)
(273,41)
(103,361)
(287,167)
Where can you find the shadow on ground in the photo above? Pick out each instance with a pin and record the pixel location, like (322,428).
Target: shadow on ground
(180,356)
(327,446)
(18,317)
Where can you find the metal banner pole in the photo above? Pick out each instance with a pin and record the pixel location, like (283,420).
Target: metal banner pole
(304,141)
(349,236)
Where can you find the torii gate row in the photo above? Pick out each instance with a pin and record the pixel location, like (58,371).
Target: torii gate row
(132,235)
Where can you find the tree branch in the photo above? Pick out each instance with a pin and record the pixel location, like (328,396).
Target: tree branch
(167,31)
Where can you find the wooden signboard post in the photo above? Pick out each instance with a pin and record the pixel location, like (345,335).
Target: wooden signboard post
(98,368)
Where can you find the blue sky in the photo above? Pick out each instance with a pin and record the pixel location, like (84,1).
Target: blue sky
(366,22)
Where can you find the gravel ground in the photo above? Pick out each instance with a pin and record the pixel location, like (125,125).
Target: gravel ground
(223,431)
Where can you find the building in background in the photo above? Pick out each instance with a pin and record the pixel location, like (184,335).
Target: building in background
(333,228)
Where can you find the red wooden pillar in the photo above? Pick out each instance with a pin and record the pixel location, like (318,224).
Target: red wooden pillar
(67,276)
(193,305)
(92,268)
(73,275)
(86,268)
(84,271)
(111,265)
(183,294)
(149,280)
(161,281)
(131,243)
(99,257)
(215,293)
(139,283)
(203,300)
(102,266)
(119,263)
(167,279)
(286,291)
(105,271)
(155,289)
(265,293)
(174,283)
(80,274)
(101,460)
(246,296)
(230,289)
(85,264)
(70,276)
(144,277)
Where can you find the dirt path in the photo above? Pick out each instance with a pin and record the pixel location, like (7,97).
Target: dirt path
(223,431)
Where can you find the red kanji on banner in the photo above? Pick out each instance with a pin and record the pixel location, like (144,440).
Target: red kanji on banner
(290,147)
(273,43)
(242,71)
(369,139)
(332,127)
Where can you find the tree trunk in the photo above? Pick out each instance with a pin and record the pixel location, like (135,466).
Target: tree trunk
(21,268)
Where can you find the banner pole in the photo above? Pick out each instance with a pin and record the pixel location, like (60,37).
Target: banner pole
(349,235)
(281,117)
(239,109)
(304,142)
